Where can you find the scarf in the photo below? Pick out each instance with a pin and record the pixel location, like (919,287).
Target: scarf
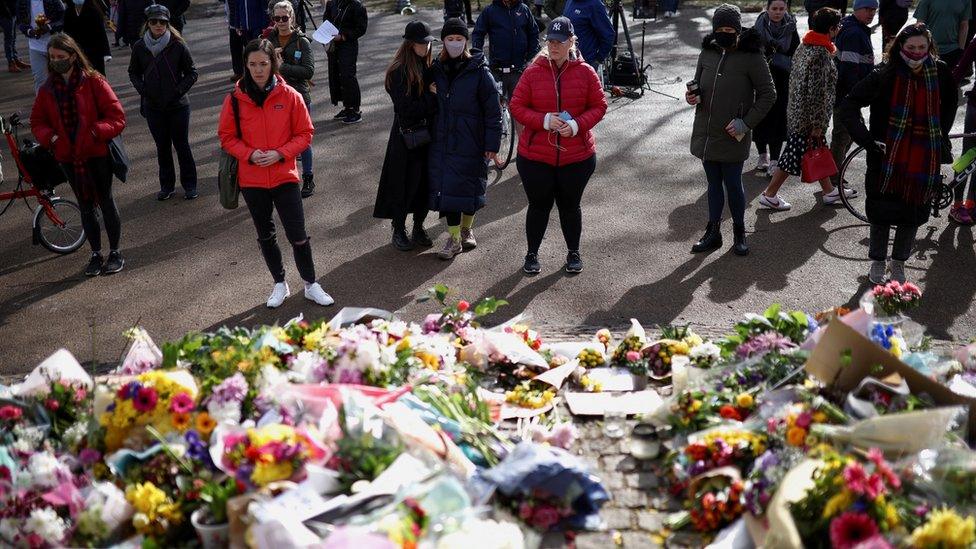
(779,34)
(64,94)
(914,140)
(258,95)
(812,38)
(156,45)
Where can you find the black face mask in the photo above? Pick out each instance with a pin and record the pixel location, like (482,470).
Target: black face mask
(726,39)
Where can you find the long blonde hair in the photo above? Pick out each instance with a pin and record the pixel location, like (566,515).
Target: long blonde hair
(413,65)
(172,31)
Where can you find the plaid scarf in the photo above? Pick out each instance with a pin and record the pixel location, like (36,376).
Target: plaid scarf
(914,141)
(64,93)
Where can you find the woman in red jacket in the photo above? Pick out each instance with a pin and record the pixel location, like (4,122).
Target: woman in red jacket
(558,100)
(75,115)
(274,129)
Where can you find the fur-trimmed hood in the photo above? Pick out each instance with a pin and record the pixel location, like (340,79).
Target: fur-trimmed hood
(749,41)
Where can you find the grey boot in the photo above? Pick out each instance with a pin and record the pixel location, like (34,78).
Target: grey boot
(897,270)
(877,273)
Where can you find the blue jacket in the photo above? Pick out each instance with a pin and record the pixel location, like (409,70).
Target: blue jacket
(53,9)
(512,34)
(594,31)
(250,15)
(854,57)
(468,123)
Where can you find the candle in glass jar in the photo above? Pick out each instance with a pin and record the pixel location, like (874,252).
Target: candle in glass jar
(645,442)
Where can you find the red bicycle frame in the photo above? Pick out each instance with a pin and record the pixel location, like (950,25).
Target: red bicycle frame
(42,198)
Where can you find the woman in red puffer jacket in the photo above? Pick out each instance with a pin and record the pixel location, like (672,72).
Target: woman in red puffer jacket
(558,100)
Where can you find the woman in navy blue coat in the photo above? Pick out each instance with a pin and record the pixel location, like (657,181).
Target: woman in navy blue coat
(466,137)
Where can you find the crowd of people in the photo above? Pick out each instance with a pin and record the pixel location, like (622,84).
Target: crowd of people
(764,84)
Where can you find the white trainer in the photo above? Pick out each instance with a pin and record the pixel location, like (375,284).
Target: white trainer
(774,203)
(833,196)
(278,295)
(314,292)
(763,165)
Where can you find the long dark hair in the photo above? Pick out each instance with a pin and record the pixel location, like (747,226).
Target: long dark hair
(66,43)
(411,63)
(895,46)
(264,46)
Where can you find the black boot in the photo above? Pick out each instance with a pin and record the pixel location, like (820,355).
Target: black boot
(400,240)
(739,246)
(711,240)
(308,186)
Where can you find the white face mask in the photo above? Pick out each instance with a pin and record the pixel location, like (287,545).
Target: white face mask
(454,49)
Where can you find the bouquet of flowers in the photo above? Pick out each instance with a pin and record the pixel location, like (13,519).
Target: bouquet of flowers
(591,358)
(792,327)
(895,298)
(38,500)
(406,525)
(260,456)
(633,342)
(161,399)
(660,355)
(888,337)
(456,318)
(792,423)
(529,394)
(944,529)
(715,500)
(705,355)
(710,450)
(853,501)
(764,478)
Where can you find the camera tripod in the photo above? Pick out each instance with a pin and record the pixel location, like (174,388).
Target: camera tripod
(625,69)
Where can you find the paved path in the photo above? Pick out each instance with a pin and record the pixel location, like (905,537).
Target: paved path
(192,265)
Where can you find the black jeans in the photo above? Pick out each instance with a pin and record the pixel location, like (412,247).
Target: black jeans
(901,249)
(287,199)
(346,55)
(725,177)
(237,43)
(100,171)
(171,129)
(545,184)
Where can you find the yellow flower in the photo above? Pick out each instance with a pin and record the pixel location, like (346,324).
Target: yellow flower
(430,360)
(896,347)
(695,405)
(744,400)
(266,473)
(837,504)
(891,516)
(819,417)
(945,529)
(314,338)
(145,497)
(405,343)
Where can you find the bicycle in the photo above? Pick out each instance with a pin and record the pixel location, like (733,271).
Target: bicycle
(503,77)
(57,221)
(855,167)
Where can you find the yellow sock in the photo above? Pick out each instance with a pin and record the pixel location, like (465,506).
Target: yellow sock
(454,231)
(467,221)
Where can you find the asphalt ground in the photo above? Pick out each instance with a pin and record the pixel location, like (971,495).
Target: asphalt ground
(194,266)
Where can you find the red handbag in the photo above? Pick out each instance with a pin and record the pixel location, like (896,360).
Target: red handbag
(817,163)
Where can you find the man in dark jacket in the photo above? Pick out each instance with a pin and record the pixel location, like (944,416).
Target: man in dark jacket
(513,38)
(7,10)
(38,25)
(594,31)
(349,16)
(85,23)
(248,18)
(855,60)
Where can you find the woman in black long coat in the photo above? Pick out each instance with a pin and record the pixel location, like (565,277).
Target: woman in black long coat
(777,28)
(404,179)
(86,24)
(904,152)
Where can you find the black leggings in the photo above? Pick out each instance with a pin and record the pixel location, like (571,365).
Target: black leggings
(545,184)
(100,171)
(287,199)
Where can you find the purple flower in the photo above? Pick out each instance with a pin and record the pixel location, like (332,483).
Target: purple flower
(348,375)
(764,343)
(89,456)
(232,389)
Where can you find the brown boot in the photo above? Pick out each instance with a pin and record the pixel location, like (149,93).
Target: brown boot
(21,64)
(12,67)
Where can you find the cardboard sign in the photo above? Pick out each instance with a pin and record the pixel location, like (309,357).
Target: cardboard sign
(825,364)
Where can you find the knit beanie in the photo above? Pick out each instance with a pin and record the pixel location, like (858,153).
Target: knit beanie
(455,26)
(858,4)
(727,15)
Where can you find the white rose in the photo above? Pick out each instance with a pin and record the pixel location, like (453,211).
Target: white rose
(46,524)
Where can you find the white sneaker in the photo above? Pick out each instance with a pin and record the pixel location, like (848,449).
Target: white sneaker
(314,292)
(278,295)
(833,196)
(764,163)
(774,203)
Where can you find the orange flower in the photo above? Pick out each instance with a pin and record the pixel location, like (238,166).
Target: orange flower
(181,421)
(796,436)
(205,424)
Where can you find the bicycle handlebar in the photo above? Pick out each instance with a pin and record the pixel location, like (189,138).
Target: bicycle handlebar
(961,135)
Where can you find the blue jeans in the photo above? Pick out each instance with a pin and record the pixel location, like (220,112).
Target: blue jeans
(725,177)
(306,155)
(9,38)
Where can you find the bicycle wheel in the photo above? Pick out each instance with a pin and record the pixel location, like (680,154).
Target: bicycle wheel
(64,235)
(508,139)
(852,175)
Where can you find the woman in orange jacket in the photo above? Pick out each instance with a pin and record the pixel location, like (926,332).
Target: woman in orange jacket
(75,115)
(274,128)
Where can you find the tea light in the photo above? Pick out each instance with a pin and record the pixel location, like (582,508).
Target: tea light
(645,442)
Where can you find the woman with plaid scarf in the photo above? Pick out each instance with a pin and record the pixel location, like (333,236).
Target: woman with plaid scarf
(75,115)
(913,101)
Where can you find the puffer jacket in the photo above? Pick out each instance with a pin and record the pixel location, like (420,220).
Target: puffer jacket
(469,123)
(734,84)
(855,55)
(162,81)
(544,89)
(100,119)
(813,83)
(281,124)
(298,62)
(511,32)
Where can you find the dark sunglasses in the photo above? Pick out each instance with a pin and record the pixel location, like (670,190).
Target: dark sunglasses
(158,21)
(280,18)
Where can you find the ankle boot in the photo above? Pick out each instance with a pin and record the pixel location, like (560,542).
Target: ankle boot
(739,246)
(711,240)
(400,240)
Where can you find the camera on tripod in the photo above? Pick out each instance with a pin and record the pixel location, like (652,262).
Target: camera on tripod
(624,68)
